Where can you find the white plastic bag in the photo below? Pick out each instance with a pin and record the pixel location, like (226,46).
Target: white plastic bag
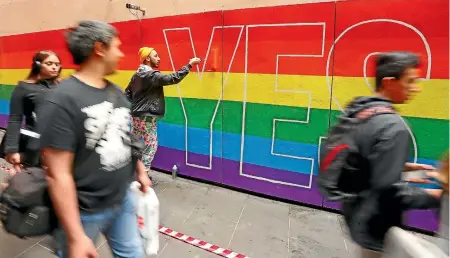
(148,218)
(400,243)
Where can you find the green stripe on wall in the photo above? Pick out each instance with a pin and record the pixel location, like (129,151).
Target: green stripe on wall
(432,135)
(6,91)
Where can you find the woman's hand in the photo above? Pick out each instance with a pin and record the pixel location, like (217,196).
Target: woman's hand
(15,160)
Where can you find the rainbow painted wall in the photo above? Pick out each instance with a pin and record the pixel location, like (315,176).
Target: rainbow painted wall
(253,114)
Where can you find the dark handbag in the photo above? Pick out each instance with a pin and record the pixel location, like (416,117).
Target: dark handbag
(25,205)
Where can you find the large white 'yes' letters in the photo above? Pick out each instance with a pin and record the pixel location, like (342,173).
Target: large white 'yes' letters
(205,61)
(306,95)
(320,26)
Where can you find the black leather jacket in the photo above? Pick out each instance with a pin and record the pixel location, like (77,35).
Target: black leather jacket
(145,90)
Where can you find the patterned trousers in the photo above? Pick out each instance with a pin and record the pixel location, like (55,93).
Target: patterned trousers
(146,129)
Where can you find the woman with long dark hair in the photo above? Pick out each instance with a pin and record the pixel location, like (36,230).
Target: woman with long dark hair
(44,76)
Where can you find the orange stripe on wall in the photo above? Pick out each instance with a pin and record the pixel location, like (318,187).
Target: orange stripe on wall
(296,33)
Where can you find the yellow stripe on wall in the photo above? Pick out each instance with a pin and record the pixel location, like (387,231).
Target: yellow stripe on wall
(292,90)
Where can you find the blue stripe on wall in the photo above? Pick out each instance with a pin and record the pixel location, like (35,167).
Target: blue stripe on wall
(228,146)
(4,107)
(257,150)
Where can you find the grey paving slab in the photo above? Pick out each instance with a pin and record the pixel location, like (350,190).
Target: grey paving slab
(48,243)
(254,226)
(177,202)
(177,249)
(37,251)
(215,217)
(222,203)
(306,247)
(315,233)
(100,241)
(316,226)
(12,246)
(104,251)
(352,247)
(209,227)
(262,230)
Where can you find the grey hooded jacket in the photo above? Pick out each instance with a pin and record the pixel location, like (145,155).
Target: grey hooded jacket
(383,142)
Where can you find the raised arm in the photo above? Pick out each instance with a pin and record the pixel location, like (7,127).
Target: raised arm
(158,79)
(171,79)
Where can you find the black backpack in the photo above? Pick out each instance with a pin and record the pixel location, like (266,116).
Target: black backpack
(340,174)
(25,205)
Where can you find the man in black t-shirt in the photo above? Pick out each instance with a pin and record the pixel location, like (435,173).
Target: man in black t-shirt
(85,137)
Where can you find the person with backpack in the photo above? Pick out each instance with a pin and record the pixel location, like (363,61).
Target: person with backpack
(365,153)
(145,92)
(87,147)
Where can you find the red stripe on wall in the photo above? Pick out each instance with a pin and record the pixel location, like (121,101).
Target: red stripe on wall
(298,38)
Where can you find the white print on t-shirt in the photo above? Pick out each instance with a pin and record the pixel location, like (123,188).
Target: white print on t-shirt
(109,143)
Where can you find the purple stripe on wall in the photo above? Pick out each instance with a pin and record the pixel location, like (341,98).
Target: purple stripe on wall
(4,120)
(424,219)
(167,157)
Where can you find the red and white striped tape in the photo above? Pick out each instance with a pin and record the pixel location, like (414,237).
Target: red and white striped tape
(185,238)
(201,244)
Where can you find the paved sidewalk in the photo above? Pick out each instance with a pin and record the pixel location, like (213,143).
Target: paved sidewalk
(254,226)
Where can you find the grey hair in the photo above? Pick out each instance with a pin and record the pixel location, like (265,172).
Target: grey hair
(81,39)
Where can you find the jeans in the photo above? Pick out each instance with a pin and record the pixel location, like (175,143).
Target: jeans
(119,225)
